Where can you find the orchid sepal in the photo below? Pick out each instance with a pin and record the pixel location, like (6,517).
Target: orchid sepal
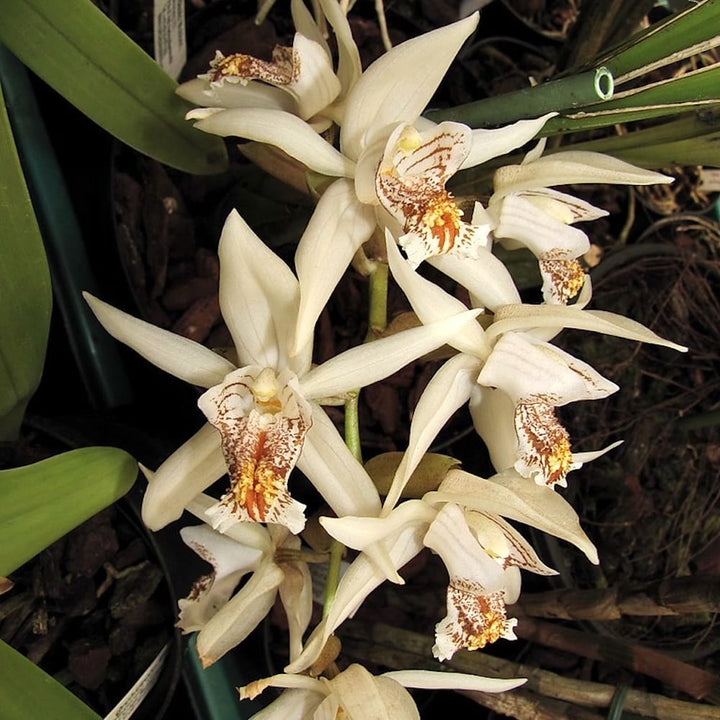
(177,355)
(283,130)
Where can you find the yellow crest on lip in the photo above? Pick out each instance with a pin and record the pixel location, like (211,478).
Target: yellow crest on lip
(565,278)
(475,617)
(282,70)
(544,444)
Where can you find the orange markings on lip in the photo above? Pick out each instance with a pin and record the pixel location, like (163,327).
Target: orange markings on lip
(282,70)
(567,276)
(548,442)
(481,615)
(442,219)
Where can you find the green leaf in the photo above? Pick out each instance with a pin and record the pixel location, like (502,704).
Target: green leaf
(670,97)
(44,501)
(79,52)
(28,693)
(24,289)
(680,36)
(693,139)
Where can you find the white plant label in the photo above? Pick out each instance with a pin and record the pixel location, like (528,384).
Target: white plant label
(139,691)
(169,35)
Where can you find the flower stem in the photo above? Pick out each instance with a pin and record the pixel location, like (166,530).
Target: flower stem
(352,424)
(337,549)
(377,312)
(377,320)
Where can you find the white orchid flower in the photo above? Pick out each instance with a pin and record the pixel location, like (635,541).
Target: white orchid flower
(264,415)
(481,579)
(534,376)
(356,694)
(224,620)
(463,522)
(478,591)
(393,166)
(524,211)
(298,80)
(538,377)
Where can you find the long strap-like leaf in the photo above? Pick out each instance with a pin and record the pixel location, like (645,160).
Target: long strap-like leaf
(95,66)
(43,501)
(25,298)
(28,693)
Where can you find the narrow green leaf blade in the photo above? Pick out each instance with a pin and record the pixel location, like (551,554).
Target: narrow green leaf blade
(664,41)
(28,693)
(96,67)
(44,501)
(24,289)
(664,99)
(693,139)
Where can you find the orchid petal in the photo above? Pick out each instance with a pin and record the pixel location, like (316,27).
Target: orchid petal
(512,496)
(397,87)
(517,316)
(462,555)
(293,704)
(366,534)
(431,303)
(349,68)
(540,232)
(493,414)
(296,597)
(570,168)
(485,277)
(368,363)
(230,562)
(325,459)
(254,94)
(430,680)
(305,24)
(283,130)
(584,457)
(241,615)
(448,390)
(488,144)
(259,295)
(175,354)
(251,535)
(366,171)
(365,697)
(531,370)
(192,468)
(361,532)
(358,581)
(283,680)
(316,85)
(504,542)
(338,227)
(563,207)
(362,577)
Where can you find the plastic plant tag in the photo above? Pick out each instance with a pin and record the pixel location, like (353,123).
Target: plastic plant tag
(169,35)
(139,691)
